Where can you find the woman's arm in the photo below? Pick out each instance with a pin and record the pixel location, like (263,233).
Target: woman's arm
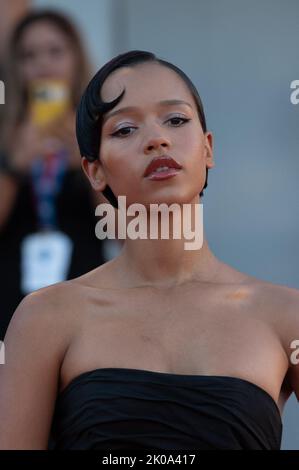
(287,306)
(293,343)
(35,344)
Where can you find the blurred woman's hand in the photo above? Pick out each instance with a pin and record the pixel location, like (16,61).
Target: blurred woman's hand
(27,144)
(64,130)
(31,142)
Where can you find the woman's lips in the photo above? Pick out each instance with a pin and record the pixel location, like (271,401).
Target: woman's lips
(162,167)
(164,174)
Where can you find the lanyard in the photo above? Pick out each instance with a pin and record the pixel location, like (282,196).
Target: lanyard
(47,174)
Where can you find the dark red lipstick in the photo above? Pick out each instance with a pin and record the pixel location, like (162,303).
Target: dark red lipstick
(162,167)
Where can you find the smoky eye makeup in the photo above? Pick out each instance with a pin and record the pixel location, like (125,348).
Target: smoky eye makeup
(172,121)
(111,130)
(120,125)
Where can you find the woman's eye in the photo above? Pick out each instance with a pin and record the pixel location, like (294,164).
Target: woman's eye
(122,132)
(26,56)
(56,51)
(177,120)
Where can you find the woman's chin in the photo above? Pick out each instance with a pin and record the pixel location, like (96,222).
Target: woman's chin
(167,199)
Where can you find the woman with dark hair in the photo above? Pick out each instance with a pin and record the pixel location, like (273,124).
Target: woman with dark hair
(161,347)
(41,182)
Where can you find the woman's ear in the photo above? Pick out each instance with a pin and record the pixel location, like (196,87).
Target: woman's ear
(95,173)
(209,150)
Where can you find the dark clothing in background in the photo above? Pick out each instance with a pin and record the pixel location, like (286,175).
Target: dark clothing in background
(75,217)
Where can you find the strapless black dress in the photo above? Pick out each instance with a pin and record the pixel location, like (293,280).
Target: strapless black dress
(120,408)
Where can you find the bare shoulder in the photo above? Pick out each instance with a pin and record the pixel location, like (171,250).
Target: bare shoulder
(49,316)
(276,304)
(35,343)
(49,307)
(280,306)
(283,301)
(61,308)
(285,318)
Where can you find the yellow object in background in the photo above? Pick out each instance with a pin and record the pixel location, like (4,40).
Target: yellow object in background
(49,100)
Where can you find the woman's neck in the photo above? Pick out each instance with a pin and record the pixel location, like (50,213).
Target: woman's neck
(165,263)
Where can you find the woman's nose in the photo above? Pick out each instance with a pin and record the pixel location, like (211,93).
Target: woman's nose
(44,64)
(156,142)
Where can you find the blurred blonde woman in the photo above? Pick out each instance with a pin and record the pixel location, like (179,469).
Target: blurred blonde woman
(46,206)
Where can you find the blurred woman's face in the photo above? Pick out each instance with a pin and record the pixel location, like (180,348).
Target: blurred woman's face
(46,52)
(156,116)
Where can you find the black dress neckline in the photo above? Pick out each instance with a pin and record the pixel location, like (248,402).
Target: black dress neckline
(164,376)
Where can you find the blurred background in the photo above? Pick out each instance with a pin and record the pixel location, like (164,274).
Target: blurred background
(242,56)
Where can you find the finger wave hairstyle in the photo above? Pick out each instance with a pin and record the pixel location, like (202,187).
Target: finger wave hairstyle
(92,109)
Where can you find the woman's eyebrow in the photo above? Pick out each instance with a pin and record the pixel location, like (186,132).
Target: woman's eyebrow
(135,108)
